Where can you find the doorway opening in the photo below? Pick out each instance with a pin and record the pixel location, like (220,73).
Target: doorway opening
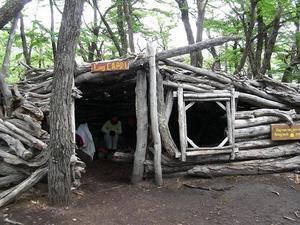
(99,103)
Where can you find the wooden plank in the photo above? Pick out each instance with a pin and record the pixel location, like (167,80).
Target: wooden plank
(221,106)
(182,124)
(232,119)
(223,142)
(112,65)
(282,132)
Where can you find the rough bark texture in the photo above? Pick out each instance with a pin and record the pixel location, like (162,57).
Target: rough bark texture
(184,9)
(6,93)
(61,137)
(10,10)
(142,127)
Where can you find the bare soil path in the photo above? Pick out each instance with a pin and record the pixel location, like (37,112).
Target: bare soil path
(106,197)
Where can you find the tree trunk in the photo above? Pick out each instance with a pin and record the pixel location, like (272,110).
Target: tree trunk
(61,144)
(24,42)
(120,26)
(184,9)
(6,92)
(128,16)
(201,5)
(53,43)
(10,10)
(269,46)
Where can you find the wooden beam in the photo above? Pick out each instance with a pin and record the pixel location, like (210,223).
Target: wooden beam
(182,124)
(154,115)
(142,127)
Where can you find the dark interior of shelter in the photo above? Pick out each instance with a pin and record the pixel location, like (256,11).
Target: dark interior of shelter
(206,122)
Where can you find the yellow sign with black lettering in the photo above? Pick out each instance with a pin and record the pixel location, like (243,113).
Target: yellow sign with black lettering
(106,66)
(283,132)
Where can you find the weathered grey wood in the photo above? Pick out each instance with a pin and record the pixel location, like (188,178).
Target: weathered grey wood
(260,102)
(244,123)
(18,190)
(153,115)
(169,104)
(165,134)
(286,115)
(11,179)
(253,131)
(32,128)
(232,119)
(230,129)
(252,143)
(209,152)
(207,95)
(191,48)
(252,167)
(16,146)
(184,86)
(35,142)
(172,166)
(182,123)
(141,108)
(229,80)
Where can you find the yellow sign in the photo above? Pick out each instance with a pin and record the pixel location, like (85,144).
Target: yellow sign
(105,66)
(281,132)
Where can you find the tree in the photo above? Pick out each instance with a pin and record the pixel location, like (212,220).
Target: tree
(10,10)
(62,144)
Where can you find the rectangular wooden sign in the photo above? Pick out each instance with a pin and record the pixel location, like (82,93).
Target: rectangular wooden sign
(114,65)
(281,132)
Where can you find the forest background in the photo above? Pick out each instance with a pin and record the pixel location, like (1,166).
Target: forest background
(269,31)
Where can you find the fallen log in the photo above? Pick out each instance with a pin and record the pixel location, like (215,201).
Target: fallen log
(243,123)
(253,167)
(13,193)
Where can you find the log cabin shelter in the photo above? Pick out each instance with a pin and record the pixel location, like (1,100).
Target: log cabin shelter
(189,120)
(202,116)
(193,119)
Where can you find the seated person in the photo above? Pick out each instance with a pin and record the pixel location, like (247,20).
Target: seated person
(112,129)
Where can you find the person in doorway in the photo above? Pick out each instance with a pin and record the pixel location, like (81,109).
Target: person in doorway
(112,129)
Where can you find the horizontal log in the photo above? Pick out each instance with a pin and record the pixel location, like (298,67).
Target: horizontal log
(209,152)
(36,143)
(254,144)
(252,167)
(174,166)
(184,86)
(239,85)
(286,115)
(243,123)
(194,47)
(252,131)
(260,102)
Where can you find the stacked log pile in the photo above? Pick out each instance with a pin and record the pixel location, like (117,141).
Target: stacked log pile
(24,137)
(268,101)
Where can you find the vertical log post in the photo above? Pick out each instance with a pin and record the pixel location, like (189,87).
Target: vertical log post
(142,127)
(229,124)
(169,104)
(154,115)
(233,109)
(182,124)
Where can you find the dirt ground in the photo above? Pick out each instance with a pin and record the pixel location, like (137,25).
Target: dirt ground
(106,197)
